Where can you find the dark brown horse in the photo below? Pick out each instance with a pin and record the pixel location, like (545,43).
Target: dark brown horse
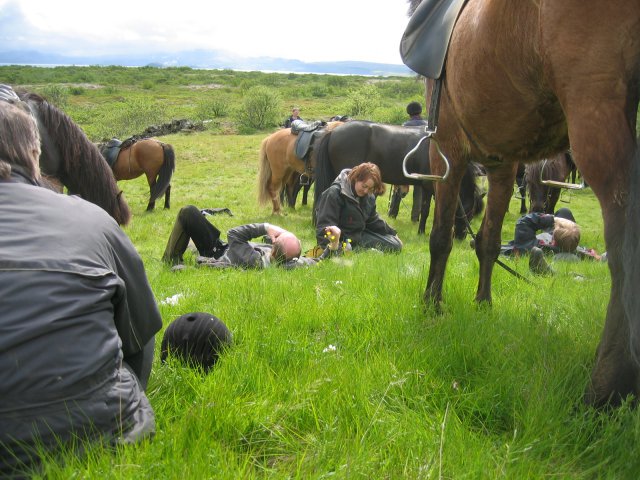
(386,145)
(524,80)
(71,158)
(155,159)
(543,197)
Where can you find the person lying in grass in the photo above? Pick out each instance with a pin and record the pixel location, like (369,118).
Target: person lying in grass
(279,246)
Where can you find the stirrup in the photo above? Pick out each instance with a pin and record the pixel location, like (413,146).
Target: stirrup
(420,176)
(555,183)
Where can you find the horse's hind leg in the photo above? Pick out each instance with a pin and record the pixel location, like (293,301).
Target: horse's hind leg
(418,203)
(426,194)
(489,236)
(167,197)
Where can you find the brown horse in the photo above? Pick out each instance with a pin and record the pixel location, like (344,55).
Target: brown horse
(542,196)
(69,157)
(154,159)
(278,162)
(524,80)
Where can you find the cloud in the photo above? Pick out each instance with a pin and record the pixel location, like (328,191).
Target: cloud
(329,31)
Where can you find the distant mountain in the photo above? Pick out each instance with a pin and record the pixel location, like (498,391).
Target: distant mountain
(208,59)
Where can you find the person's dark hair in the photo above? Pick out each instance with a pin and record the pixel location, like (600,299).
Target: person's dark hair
(414,108)
(196,338)
(365,171)
(20,140)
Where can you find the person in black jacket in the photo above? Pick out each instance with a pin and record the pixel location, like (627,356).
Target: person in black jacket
(350,203)
(414,110)
(295,115)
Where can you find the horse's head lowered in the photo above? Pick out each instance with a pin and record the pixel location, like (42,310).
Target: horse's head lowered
(69,156)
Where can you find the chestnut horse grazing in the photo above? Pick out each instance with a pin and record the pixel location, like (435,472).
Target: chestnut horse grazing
(278,163)
(70,158)
(154,159)
(524,80)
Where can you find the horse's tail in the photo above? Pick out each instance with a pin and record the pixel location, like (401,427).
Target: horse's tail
(163,179)
(631,252)
(323,174)
(264,174)
(83,170)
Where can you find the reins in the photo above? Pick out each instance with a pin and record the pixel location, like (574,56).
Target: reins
(497,260)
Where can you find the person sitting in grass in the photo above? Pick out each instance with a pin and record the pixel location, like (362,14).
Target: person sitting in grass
(78,317)
(350,203)
(279,246)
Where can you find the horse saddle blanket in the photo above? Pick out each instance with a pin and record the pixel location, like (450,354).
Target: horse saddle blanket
(425,41)
(111,150)
(7,93)
(298,126)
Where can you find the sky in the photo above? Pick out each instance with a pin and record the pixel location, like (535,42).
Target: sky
(326,30)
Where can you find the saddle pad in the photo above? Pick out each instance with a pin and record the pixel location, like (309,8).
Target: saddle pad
(7,93)
(298,126)
(425,41)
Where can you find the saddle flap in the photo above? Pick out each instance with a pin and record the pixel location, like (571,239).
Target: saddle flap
(425,41)
(110,151)
(305,141)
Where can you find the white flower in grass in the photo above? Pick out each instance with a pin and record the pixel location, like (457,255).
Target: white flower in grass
(173,300)
(329,348)
(338,282)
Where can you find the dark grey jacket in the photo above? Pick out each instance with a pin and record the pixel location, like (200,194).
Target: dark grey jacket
(74,302)
(246,254)
(338,205)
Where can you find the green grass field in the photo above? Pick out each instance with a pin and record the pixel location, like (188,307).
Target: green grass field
(340,371)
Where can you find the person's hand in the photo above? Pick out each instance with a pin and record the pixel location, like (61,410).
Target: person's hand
(274,231)
(333,234)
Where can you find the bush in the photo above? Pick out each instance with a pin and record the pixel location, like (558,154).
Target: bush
(56,95)
(212,108)
(76,90)
(129,118)
(390,115)
(260,109)
(363,101)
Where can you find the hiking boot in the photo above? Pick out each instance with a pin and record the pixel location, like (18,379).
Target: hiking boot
(537,263)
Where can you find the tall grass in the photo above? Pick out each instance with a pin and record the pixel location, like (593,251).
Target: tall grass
(340,371)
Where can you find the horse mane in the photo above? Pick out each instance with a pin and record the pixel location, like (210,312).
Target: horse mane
(83,170)
(533,170)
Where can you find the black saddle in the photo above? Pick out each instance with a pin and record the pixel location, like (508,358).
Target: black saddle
(110,151)
(425,41)
(307,134)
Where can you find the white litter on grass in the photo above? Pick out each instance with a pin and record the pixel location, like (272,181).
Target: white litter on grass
(330,348)
(173,300)
(338,282)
